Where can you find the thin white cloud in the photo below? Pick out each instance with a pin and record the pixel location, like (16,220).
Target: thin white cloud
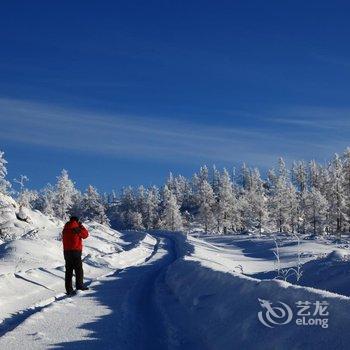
(313,118)
(145,137)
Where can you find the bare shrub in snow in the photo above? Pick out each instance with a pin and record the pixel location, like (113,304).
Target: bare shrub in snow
(285,273)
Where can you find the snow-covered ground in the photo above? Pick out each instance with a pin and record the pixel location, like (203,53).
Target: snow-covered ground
(162,290)
(32,264)
(224,304)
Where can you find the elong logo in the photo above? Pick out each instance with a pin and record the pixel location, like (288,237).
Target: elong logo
(274,315)
(282,314)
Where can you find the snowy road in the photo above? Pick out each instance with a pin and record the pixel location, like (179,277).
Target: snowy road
(179,292)
(131,309)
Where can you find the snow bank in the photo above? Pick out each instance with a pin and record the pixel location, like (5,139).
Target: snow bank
(223,307)
(337,255)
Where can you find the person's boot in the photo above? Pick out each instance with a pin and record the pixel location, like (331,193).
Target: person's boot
(83,288)
(71,293)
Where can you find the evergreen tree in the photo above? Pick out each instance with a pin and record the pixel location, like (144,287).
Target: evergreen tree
(65,191)
(93,207)
(27,198)
(315,175)
(254,204)
(4,184)
(346,185)
(151,215)
(226,206)
(178,186)
(337,195)
(279,198)
(47,202)
(317,207)
(171,218)
(206,205)
(128,208)
(245,177)
(299,175)
(134,219)
(293,207)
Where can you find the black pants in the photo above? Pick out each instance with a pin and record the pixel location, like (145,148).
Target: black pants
(73,263)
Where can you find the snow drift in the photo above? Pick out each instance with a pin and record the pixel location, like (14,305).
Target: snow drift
(224,306)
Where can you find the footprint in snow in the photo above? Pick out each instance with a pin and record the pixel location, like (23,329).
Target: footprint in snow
(37,335)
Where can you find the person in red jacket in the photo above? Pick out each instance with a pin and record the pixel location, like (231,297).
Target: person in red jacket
(72,236)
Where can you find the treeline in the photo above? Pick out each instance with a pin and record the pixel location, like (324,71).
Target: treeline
(308,197)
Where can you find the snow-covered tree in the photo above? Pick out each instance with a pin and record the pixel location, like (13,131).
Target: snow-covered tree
(179,186)
(93,207)
(245,178)
(226,208)
(206,205)
(215,180)
(171,218)
(299,175)
(151,210)
(308,197)
(64,193)
(315,175)
(337,195)
(4,184)
(280,198)
(27,198)
(317,207)
(46,202)
(134,219)
(346,185)
(254,204)
(141,205)
(293,207)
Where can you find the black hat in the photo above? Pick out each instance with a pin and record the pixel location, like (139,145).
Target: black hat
(74,218)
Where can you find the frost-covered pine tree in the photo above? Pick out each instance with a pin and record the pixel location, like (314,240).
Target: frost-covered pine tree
(317,207)
(171,218)
(215,180)
(128,205)
(337,195)
(151,211)
(245,178)
(315,175)
(128,214)
(4,184)
(141,203)
(293,207)
(93,207)
(135,220)
(27,198)
(7,204)
(226,208)
(178,185)
(47,200)
(279,198)
(346,185)
(299,175)
(206,205)
(64,194)
(254,204)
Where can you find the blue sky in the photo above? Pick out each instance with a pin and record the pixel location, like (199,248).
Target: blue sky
(122,93)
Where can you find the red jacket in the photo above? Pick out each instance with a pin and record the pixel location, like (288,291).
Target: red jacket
(73,235)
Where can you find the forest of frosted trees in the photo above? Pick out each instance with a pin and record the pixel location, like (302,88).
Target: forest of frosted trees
(308,197)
